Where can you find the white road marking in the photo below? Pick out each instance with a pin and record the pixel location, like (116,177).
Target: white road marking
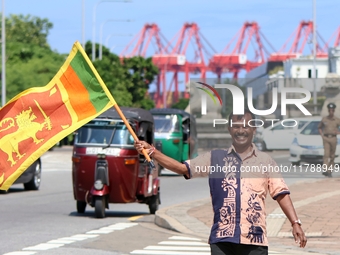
(63,240)
(42,247)
(20,253)
(56,243)
(126,224)
(122,225)
(176,248)
(184,238)
(100,231)
(82,237)
(183,243)
(178,245)
(148,252)
(111,228)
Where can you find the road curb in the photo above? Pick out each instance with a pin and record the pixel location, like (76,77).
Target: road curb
(164,221)
(175,218)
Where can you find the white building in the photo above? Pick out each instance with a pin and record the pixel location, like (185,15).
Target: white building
(303,67)
(296,72)
(300,70)
(334,60)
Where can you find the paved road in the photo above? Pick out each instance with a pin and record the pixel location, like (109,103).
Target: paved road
(37,217)
(46,221)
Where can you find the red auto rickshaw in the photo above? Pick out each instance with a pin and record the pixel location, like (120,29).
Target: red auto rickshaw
(108,169)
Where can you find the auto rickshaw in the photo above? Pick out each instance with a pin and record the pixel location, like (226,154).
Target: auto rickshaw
(107,168)
(175,133)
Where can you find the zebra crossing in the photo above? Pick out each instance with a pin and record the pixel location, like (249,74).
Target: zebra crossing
(176,245)
(183,245)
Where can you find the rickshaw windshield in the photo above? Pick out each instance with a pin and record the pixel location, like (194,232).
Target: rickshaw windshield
(166,123)
(100,132)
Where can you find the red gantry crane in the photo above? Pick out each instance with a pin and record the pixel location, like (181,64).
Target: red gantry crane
(176,61)
(150,34)
(336,37)
(170,59)
(142,41)
(302,35)
(232,61)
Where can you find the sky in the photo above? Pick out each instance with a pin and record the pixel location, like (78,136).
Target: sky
(218,20)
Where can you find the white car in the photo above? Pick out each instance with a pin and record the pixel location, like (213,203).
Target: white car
(279,136)
(307,146)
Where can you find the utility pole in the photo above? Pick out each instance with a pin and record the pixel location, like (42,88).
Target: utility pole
(101,34)
(314,58)
(3,53)
(83,23)
(94,24)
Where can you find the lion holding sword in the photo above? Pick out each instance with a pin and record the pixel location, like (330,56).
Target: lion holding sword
(27,128)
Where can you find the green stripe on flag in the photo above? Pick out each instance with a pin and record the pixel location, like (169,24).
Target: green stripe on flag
(96,93)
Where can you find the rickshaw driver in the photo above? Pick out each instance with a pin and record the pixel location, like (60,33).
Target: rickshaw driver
(232,236)
(101,137)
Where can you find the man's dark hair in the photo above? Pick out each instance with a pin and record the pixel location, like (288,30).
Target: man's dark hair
(240,116)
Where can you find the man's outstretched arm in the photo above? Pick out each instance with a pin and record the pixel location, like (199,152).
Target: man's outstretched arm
(163,160)
(287,207)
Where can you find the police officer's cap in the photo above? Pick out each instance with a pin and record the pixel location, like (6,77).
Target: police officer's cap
(331,106)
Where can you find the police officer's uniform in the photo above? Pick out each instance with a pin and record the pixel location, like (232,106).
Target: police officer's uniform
(329,126)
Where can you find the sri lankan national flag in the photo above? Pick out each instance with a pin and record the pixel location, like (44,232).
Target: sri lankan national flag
(36,119)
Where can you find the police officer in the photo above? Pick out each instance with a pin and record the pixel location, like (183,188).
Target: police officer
(328,129)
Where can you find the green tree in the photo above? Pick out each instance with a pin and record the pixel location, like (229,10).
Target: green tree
(29,60)
(28,30)
(181,104)
(127,79)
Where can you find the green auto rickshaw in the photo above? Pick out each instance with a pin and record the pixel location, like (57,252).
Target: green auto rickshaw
(175,133)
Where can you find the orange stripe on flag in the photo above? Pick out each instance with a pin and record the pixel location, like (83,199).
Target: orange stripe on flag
(78,94)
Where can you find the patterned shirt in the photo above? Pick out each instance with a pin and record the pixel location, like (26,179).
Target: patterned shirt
(238,190)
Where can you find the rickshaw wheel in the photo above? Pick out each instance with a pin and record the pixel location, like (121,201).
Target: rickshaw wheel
(154,203)
(99,207)
(81,205)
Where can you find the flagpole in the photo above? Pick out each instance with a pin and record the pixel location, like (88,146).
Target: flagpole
(3,53)
(122,116)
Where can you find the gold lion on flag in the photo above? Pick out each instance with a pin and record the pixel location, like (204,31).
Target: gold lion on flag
(25,122)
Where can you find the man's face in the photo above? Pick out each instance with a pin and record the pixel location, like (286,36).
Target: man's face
(331,112)
(242,134)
